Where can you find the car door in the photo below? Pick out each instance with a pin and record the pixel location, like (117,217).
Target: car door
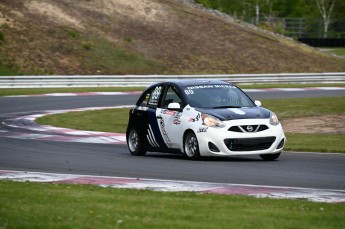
(143,118)
(168,119)
(152,130)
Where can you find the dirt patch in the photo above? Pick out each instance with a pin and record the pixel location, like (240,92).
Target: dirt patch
(54,12)
(326,124)
(143,10)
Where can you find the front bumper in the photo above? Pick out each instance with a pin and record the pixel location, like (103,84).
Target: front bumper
(224,142)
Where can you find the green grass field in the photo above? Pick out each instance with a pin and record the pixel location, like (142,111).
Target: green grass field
(338,51)
(108,120)
(39,205)
(115,120)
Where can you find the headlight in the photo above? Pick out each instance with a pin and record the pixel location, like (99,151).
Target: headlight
(211,121)
(274,119)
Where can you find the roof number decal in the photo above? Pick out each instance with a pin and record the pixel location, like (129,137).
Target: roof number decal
(189,92)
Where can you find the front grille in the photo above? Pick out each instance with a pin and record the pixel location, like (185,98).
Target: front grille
(249,144)
(235,129)
(248,128)
(262,128)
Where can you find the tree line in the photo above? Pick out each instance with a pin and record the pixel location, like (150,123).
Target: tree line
(313,18)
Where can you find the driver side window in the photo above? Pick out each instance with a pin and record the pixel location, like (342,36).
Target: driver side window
(171,96)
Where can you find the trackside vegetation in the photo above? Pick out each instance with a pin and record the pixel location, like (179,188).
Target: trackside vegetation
(115,120)
(116,38)
(49,205)
(266,14)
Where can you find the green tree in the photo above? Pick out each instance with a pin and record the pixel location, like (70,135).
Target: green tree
(333,16)
(326,9)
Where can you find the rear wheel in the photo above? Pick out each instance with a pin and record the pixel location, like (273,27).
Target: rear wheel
(135,144)
(270,157)
(191,146)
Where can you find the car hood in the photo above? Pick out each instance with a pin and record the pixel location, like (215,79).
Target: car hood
(237,113)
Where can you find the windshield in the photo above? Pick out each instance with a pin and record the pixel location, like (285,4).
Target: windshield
(217,96)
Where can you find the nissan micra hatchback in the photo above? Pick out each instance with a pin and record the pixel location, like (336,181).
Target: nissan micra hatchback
(202,118)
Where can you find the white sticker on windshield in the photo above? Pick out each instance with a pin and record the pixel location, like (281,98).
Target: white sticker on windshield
(210,86)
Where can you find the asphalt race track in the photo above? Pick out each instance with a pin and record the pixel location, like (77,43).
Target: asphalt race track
(307,170)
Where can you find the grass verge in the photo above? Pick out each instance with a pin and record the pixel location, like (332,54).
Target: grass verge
(33,91)
(288,108)
(333,143)
(38,205)
(115,120)
(108,120)
(338,51)
(263,86)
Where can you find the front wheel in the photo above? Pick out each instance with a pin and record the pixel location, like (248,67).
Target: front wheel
(134,143)
(270,157)
(191,146)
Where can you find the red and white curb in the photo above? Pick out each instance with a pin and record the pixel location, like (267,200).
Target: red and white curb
(78,94)
(138,92)
(316,195)
(30,130)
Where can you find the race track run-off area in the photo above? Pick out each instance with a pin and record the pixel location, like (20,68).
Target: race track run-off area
(22,125)
(317,195)
(28,129)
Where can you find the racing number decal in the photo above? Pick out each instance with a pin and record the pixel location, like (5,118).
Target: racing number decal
(156,93)
(189,92)
(155,96)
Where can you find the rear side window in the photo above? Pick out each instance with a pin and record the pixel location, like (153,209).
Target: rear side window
(154,97)
(151,97)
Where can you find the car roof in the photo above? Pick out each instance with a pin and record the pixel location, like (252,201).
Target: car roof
(192,82)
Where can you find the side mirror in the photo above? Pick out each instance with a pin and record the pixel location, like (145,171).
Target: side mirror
(174,106)
(258,103)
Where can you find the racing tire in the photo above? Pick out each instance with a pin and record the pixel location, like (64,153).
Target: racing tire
(135,144)
(270,157)
(191,146)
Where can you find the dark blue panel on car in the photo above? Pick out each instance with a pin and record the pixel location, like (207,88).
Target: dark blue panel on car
(153,121)
(237,113)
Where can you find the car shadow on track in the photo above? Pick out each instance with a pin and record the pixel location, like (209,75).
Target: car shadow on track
(211,159)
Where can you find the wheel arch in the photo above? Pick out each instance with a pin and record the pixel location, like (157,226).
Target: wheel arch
(184,136)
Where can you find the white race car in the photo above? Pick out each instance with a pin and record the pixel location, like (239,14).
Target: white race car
(202,118)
